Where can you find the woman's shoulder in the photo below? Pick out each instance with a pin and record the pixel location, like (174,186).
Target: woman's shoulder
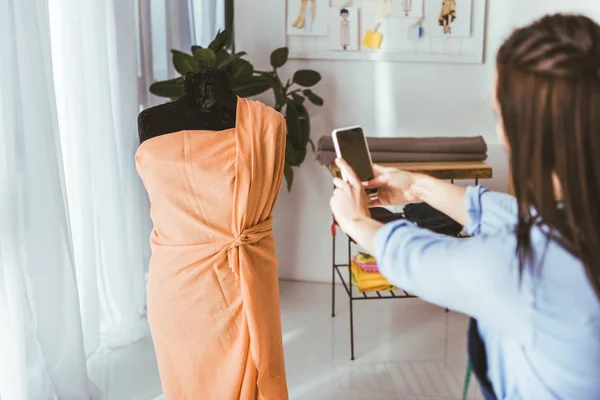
(561,282)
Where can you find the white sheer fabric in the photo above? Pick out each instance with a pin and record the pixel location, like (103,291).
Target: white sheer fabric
(95,71)
(41,344)
(73,231)
(74,216)
(208,17)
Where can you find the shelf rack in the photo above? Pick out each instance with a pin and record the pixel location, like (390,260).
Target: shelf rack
(441,170)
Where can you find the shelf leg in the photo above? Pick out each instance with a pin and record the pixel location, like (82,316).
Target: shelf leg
(333,270)
(350,300)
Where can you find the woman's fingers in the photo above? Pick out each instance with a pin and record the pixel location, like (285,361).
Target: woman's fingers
(375,203)
(378,168)
(349,172)
(340,184)
(375,183)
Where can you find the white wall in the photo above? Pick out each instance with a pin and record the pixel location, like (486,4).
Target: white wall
(387,99)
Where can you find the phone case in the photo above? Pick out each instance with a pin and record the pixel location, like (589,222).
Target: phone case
(372,195)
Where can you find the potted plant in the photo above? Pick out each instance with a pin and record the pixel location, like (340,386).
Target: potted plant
(289,97)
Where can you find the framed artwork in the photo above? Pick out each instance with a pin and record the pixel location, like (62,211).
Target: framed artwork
(343,28)
(423,31)
(451,18)
(307,17)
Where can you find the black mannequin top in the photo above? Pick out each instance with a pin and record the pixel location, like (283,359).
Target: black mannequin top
(208,103)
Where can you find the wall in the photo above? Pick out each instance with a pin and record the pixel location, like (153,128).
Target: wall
(387,99)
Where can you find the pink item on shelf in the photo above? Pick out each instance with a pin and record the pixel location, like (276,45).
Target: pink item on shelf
(368,267)
(366,262)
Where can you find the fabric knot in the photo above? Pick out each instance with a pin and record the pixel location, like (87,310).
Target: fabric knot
(253,234)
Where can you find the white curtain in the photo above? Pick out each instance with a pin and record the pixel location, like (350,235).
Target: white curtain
(95,69)
(74,229)
(208,17)
(41,343)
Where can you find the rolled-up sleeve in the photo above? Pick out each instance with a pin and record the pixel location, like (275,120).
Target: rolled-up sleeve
(476,276)
(489,212)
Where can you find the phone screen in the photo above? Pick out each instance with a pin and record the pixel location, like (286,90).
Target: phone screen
(354,150)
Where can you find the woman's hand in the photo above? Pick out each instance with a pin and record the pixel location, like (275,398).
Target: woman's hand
(394,186)
(349,202)
(350,206)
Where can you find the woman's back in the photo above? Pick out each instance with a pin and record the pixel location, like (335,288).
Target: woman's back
(541,330)
(553,345)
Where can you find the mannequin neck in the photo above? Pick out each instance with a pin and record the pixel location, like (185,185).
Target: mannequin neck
(209,90)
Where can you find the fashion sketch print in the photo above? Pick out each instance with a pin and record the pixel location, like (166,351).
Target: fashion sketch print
(447,16)
(307,17)
(453,17)
(408,8)
(344,28)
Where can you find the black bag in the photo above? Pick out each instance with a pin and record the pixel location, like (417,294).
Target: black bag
(384,215)
(425,216)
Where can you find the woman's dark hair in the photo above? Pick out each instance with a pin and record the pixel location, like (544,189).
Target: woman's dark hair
(549,97)
(344,11)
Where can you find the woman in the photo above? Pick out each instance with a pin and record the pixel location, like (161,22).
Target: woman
(530,274)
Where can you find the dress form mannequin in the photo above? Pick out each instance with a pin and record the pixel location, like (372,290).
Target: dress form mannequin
(208,103)
(212,164)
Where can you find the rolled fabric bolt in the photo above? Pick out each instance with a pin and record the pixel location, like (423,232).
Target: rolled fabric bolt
(328,157)
(462,145)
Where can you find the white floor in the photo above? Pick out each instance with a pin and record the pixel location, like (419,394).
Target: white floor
(405,349)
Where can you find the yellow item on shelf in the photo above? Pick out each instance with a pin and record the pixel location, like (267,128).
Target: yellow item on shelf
(373,38)
(365,258)
(369,281)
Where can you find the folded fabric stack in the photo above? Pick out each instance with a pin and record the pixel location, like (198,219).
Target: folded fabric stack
(411,149)
(366,262)
(366,276)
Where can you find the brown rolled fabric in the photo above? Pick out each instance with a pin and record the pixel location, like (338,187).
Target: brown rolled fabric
(446,145)
(328,157)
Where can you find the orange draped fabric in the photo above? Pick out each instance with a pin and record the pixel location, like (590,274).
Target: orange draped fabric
(213,294)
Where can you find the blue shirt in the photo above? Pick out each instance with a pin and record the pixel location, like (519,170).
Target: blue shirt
(541,332)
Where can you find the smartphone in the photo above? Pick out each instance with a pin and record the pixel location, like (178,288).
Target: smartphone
(351,144)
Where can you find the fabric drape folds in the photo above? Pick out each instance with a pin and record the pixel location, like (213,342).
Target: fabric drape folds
(213,294)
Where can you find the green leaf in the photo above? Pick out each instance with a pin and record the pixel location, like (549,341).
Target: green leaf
(252,87)
(293,125)
(220,41)
(184,62)
(195,47)
(278,91)
(294,157)
(313,98)
(241,70)
(306,77)
(173,88)
(288,173)
(205,57)
(279,57)
(297,99)
(304,124)
(231,59)
(222,56)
